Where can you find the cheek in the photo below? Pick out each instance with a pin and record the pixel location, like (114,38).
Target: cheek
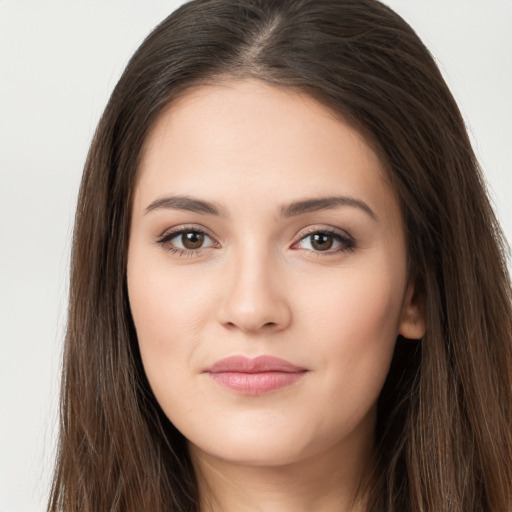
(354,324)
(357,303)
(168,313)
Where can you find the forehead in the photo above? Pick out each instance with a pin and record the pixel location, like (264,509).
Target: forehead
(250,133)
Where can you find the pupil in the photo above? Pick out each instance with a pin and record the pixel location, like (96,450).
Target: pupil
(192,240)
(322,242)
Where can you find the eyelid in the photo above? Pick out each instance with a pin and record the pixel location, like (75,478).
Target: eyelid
(323,229)
(185,228)
(348,241)
(165,238)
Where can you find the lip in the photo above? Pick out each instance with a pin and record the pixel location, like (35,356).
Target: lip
(255,376)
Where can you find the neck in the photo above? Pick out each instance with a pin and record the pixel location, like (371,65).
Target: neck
(333,481)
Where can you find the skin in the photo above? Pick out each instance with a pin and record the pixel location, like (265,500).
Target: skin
(258,285)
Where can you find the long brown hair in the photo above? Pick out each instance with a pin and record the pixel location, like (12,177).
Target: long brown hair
(444,431)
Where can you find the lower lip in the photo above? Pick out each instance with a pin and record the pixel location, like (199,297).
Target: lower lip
(256,383)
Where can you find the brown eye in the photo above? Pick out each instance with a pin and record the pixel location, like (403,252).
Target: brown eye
(321,241)
(192,240)
(186,241)
(326,241)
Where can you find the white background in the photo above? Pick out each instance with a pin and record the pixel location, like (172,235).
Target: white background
(59,61)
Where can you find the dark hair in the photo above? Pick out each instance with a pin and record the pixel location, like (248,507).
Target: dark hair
(444,431)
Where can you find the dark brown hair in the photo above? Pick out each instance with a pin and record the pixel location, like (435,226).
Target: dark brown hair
(444,431)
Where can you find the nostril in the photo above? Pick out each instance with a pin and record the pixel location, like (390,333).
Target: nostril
(253,315)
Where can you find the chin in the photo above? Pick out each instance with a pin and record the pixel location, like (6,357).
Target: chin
(263,443)
(252,451)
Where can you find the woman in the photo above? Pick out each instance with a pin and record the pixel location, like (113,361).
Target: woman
(288,288)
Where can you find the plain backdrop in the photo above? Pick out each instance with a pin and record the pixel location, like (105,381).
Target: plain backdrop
(59,61)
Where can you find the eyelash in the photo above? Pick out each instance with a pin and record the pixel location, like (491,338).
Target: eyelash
(348,244)
(166,238)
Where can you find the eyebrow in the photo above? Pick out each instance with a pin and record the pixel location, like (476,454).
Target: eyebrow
(186,203)
(296,208)
(325,203)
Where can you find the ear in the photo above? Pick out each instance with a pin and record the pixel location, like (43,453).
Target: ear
(412,320)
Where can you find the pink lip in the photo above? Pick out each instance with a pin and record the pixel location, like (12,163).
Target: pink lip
(255,376)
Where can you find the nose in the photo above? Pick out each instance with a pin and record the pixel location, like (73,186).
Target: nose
(254,298)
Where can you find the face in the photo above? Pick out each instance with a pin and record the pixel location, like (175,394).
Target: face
(266,274)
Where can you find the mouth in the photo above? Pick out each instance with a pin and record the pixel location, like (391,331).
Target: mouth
(254,376)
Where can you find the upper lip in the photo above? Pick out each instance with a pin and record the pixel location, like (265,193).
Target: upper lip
(260,364)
